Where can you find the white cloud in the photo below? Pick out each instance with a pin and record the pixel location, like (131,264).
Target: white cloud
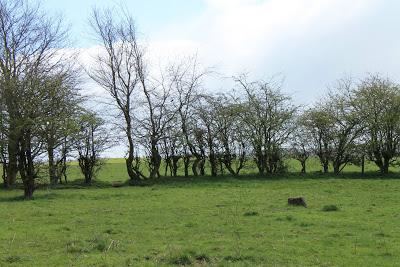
(312,42)
(295,37)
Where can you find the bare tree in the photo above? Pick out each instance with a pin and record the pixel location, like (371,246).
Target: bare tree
(186,79)
(120,70)
(155,119)
(171,147)
(206,132)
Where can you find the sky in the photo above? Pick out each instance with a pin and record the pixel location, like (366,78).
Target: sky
(311,43)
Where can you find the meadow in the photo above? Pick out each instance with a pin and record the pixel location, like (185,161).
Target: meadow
(204,221)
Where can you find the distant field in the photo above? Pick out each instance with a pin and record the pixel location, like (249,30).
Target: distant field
(115,170)
(200,221)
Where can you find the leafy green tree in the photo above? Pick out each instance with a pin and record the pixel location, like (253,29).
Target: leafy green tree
(268,116)
(29,54)
(230,133)
(91,140)
(335,126)
(62,107)
(300,144)
(378,101)
(317,123)
(346,124)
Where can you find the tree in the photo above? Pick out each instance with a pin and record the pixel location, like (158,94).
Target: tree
(335,126)
(230,133)
(62,107)
(207,131)
(378,102)
(186,78)
(91,140)
(120,70)
(154,118)
(346,125)
(300,145)
(317,123)
(268,116)
(29,55)
(171,147)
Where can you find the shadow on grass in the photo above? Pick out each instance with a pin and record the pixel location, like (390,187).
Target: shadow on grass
(197,181)
(46,196)
(176,181)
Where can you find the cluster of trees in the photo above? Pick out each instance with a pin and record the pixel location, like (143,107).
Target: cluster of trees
(355,122)
(168,116)
(42,116)
(173,119)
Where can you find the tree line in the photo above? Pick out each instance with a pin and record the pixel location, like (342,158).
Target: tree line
(168,117)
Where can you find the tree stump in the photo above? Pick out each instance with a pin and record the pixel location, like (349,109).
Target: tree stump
(297,201)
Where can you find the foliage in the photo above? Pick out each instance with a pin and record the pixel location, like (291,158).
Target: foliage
(90,141)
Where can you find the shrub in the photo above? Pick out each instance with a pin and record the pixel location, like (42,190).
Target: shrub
(98,243)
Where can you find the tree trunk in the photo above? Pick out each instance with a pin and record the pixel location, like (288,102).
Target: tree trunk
(194,167)
(211,156)
(26,166)
(326,167)
(175,160)
(214,166)
(186,163)
(221,167)
(12,168)
(303,166)
(133,175)
(167,166)
(29,187)
(260,163)
(52,168)
(336,170)
(385,166)
(363,165)
(202,164)
(155,161)
(88,179)
(4,175)
(228,164)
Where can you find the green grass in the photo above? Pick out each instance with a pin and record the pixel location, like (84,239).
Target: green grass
(202,221)
(115,170)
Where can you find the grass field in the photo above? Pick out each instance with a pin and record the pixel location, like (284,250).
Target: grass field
(115,170)
(219,221)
